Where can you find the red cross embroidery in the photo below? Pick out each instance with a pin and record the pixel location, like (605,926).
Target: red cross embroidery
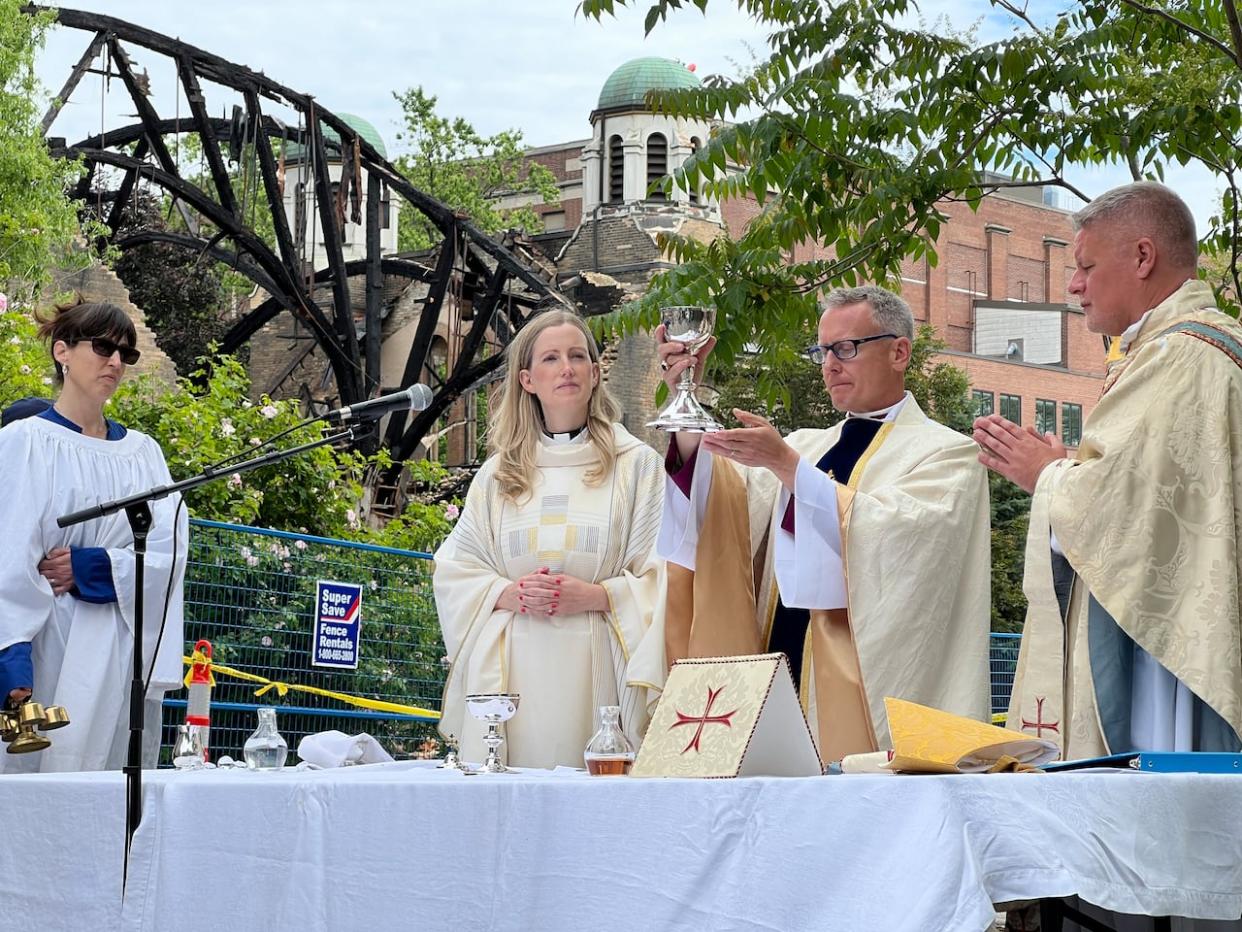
(1039,724)
(704,719)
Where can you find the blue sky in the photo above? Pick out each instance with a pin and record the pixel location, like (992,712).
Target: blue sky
(529,64)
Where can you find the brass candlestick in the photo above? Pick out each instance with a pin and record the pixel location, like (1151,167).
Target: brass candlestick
(17,726)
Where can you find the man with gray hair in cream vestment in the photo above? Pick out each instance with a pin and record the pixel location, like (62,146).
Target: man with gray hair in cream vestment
(1144,655)
(860,551)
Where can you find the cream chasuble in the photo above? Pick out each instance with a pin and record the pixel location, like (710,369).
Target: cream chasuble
(563,667)
(916,566)
(1147,515)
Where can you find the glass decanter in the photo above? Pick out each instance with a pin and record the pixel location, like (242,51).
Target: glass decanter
(609,752)
(266,749)
(188,753)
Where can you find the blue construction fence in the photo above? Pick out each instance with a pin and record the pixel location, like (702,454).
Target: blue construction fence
(251,592)
(1002,662)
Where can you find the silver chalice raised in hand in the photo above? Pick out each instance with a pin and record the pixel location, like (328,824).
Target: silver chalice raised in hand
(493,708)
(692,327)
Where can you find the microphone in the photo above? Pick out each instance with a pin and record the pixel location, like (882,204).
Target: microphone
(414,398)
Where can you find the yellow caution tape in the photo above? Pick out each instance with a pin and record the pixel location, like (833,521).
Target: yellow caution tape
(376,705)
(198,657)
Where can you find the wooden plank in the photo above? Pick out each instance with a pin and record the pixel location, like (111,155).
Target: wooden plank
(375,285)
(75,76)
(426,330)
(211,144)
(349,384)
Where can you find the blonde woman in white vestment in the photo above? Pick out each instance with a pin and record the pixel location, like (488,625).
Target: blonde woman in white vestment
(549,586)
(67,594)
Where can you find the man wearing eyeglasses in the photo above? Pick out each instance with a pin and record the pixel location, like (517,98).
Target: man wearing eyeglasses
(861,551)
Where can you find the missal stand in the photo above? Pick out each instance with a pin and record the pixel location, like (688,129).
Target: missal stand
(137,509)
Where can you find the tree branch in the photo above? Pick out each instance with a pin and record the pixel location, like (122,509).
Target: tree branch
(1020,14)
(1235,29)
(1235,57)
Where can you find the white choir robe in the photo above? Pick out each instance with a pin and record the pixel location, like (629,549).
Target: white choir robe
(83,652)
(563,667)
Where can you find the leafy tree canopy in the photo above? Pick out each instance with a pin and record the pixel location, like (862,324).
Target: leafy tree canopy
(865,123)
(38,223)
(450,160)
(178,289)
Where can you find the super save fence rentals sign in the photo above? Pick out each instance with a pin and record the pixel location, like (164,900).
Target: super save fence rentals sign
(338,619)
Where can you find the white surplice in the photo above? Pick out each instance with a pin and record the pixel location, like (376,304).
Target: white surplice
(563,667)
(82,651)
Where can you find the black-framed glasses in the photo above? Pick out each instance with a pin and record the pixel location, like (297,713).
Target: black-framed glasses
(842,349)
(105,348)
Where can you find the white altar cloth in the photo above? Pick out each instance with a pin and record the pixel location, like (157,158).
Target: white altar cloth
(404,846)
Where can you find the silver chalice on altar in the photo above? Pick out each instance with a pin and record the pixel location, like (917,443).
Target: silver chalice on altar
(692,327)
(493,708)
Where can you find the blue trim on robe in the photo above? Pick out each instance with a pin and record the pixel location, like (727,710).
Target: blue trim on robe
(1111,653)
(92,575)
(16,669)
(115,430)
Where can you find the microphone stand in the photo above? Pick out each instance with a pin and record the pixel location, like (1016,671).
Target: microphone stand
(138,510)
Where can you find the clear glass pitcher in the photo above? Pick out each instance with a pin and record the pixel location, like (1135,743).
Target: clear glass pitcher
(266,749)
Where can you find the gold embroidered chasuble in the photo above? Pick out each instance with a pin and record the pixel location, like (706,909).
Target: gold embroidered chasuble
(1147,514)
(915,534)
(563,667)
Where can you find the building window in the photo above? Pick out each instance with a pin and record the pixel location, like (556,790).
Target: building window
(554,221)
(1071,424)
(695,145)
(985,402)
(616,170)
(657,165)
(1011,408)
(1045,416)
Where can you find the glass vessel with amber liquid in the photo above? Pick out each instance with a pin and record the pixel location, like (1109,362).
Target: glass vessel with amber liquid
(609,752)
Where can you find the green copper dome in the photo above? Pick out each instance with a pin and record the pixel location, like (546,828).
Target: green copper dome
(332,141)
(629,84)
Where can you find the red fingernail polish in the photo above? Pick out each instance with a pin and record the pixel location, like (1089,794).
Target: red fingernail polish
(523,610)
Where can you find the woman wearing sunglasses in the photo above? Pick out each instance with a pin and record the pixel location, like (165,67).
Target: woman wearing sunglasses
(67,594)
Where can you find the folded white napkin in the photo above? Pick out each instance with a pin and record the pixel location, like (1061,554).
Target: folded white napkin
(336,749)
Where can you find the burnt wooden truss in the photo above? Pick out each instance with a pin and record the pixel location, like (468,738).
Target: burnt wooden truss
(500,282)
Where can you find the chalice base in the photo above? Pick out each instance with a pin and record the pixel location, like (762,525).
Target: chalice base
(685,413)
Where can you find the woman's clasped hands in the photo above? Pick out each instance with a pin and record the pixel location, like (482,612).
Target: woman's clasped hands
(546,593)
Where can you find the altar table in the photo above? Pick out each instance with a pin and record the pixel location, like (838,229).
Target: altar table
(406,846)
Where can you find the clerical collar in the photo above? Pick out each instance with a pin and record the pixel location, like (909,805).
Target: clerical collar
(1131,332)
(884,414)
(566,437)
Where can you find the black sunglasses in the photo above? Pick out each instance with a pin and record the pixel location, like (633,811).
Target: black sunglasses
(105,348)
